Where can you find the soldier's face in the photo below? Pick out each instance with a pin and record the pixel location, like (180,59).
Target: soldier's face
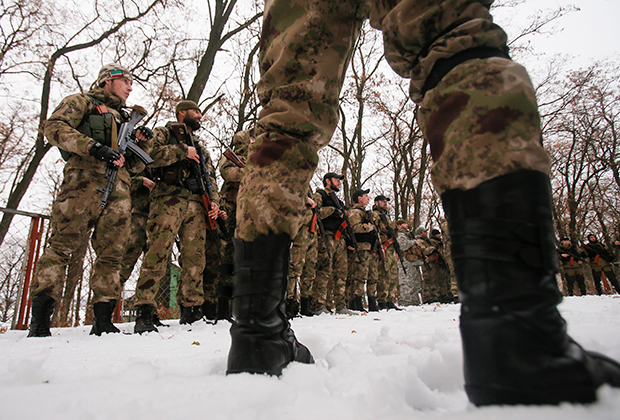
(334,184)
(192,119)
(119,87)
(364,200)
(382,204)
(565,243)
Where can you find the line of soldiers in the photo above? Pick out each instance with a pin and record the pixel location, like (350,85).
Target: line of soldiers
(600,258)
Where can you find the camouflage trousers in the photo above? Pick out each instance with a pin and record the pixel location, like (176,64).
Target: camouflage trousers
(358,273)
(481,119)
(435,282)
(374,265)
(331,274)
(387,277)
(135,246)
(574,274)
(169,217)
(410,283)
(75,214)
(211,279)
(302,270)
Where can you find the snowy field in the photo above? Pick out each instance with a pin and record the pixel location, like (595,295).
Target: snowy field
(390,365)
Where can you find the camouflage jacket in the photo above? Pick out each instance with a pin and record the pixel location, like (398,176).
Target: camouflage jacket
(363,229)
(381,226)
(169,158)
(61,130)
(409,246)
(433,249)
(231,173)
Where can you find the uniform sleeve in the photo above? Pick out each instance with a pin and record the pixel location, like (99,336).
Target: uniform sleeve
(214,195)
(61,126)
(164,153)
(356,217)
(405,241)
(229,171)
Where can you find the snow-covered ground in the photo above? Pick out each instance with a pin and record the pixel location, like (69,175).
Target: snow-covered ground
(390,365)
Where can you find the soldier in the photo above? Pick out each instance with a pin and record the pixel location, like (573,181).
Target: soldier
(85,128)
(365,236)
(435,274)
(175,209)
(411,281)
(478,111)
(571,259)
(387,271)
(232,173)
(331,272)
(601,260)
(447,248)
(303,244)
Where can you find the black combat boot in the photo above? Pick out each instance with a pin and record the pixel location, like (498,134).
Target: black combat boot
(515,346)
(190,314)
(144,319)
(372,304)
(223,309)
(42,309)
(292,308)
(392,305)
(102,318)
(209,310)
(358,304)
(305,303)
(156,321)
(261,338)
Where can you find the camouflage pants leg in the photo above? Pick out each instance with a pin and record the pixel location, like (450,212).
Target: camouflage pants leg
(387,276)
(135,246)
(308,274)
(374,266)
(168,217)
(210,277)
(410,284)
(435,282)
(298,260)
(74,213)
(331,274)
(358,272)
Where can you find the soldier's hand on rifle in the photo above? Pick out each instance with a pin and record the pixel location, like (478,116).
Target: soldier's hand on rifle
(223,215)
(215,211)
(192,154)
(148,183)
(311,202)
(143,133)
(107,154)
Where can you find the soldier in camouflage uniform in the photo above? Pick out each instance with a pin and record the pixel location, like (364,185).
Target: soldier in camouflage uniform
(411,281)
(447,248)
(303,242)
(176,209)
(478,111)
(85,128)
(572,259)
(387,271)
(601,260)
(435,274)
(365,236)
(331,272)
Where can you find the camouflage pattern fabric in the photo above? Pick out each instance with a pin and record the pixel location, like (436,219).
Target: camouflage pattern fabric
(435,275)
(136,243)
(358,267)
(374,266)
(475,134)
(411,282)
(174,210)
(76,211)
(299,250)
(447,252)
(308,274)
(387,273)
(331,274)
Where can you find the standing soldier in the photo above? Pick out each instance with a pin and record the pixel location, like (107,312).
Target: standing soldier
(365,236)
(232,171)
(447,248)
(435,274)
(571,259)
(411,281)
(477,109)
(331,272)
(176,209)
(85,128)
(302,248)
(387,272)
(601,261)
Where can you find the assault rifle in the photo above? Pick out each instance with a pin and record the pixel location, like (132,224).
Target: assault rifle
(203,184)
(346,224)
(393,239)
(126,136)
(377,245)
(561,251)
(232,156)
(319,222)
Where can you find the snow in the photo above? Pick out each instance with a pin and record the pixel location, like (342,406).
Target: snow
(387,365)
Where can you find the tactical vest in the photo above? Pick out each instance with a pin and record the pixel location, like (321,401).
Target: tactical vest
(332,222)
(97,125)
(178,172)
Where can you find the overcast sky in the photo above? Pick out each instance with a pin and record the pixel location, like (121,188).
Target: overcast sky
(592,33)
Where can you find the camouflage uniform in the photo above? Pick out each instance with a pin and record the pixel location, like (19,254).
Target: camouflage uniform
(572,266)
(601,261)
(435,274)
(365,237)
(136,243)
(174,210)
(331,273)
(303,243)
(76,210)
(411,282)
(306,49)
(387,271)
(447,248)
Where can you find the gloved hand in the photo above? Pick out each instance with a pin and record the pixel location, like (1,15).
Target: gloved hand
(145,131)
(337,212)
(104,153)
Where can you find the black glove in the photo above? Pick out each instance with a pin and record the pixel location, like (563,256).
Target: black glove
(146,132)
(337,212)
(104,153)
